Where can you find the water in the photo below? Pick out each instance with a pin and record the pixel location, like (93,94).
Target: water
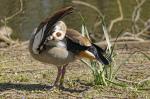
(34,11)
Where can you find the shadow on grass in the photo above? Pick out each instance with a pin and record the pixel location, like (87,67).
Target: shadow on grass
(27,87)
(39,87)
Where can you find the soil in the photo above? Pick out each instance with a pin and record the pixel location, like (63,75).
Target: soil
(22,77)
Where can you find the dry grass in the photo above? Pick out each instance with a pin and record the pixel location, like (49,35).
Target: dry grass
(23,77)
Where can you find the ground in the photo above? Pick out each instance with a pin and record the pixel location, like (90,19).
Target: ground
(22,77)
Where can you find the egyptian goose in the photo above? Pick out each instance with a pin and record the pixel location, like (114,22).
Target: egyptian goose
(54,43)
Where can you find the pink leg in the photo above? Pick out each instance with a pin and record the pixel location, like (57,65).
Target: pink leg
(58,76)
(63,71)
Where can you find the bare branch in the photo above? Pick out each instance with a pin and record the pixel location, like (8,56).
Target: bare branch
(142,31)
(137,10)
(127,81)
(136,15)
(3,36)
(15,14)
(120,18)
(144,80)
(88,5)
(128,39)
(7,40)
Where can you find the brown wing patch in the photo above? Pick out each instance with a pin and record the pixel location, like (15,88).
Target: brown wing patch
(75,36)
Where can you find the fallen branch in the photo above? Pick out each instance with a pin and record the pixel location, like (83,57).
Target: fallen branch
(5,20)
(6,39)
(127,81)
(144,80)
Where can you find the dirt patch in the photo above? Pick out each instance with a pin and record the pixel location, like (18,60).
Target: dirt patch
(23,77)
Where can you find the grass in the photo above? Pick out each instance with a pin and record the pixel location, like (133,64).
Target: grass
(105,75)
(126,77)
(24,77)
(100,72)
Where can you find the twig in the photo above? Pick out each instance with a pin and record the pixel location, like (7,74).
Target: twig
(136,15)
(6,39)
(127,81)
(88,5)
(5,20)
(127,39)
(127,34)
(15,14)
(144,80)
(142,31)
(137,9)
(120,18)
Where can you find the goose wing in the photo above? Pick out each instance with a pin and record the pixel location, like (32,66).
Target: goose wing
(46,28)
(82,47)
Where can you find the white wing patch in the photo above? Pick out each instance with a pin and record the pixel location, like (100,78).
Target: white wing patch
(38,39)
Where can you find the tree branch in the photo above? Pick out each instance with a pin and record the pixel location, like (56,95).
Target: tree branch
(120,18)
(18,12)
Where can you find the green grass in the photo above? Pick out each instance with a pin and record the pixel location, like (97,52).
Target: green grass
(126,77)
(25,77)
(105,75)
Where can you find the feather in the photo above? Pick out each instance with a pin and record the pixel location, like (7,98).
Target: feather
(99,54)
(76,37)
(37,40)
(82,46)
(46,27)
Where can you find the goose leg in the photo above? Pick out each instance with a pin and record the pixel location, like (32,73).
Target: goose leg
(63,71)
(58,76)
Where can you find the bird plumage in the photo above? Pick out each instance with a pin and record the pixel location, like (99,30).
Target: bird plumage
(46,28)
(83,47)
(53,42)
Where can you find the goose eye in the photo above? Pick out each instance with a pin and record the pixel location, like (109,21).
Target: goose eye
(58,34)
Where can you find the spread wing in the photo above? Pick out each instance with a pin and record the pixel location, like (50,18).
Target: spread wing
(46,28)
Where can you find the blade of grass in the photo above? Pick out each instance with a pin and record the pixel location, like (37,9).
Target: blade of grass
(118,84)
(148,57)
(84,29)
(106,35)
(112,57)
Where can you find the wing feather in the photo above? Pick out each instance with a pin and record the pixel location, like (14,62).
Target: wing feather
(46,27)
(76,37)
